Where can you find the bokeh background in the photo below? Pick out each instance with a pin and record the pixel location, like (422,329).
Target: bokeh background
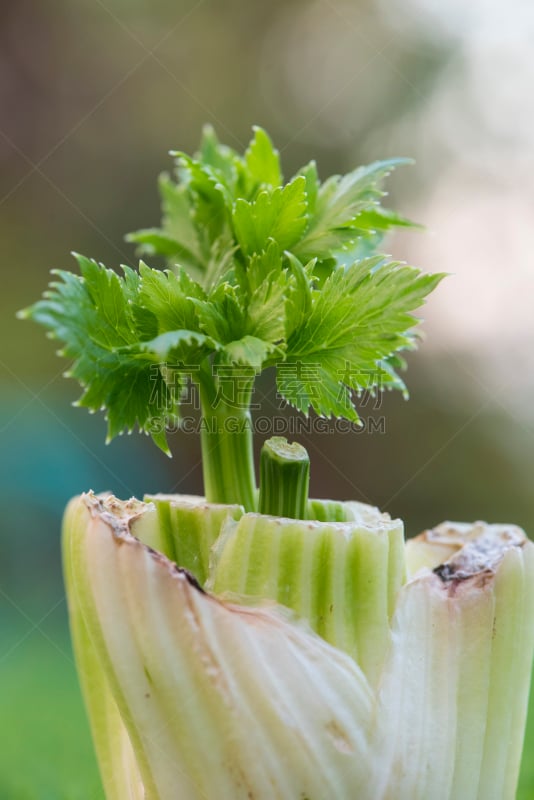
(93,94)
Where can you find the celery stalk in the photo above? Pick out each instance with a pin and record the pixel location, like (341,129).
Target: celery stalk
(196,697)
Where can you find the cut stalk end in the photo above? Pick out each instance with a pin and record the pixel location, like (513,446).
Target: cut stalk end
(284,479)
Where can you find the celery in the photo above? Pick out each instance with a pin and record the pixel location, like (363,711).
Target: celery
(255,642)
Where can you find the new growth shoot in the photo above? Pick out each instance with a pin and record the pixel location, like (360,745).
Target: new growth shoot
(261,273)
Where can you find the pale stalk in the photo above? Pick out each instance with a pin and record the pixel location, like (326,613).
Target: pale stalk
(196,680)
(334,575)
(116,757)
(218,701)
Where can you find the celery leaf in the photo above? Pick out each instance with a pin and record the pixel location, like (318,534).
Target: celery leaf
(262,160)
(346,337)
(340,201)
(260,274)
(279,214)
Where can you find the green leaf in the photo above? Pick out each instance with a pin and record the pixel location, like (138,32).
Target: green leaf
(340,200)
(262,286)
(177,221)
(279,214)
(93,315)
(221,159)
(358,320)
(186,347)
(265,309)
(262,160)
(154,241)
(300,296)
(208,199)
(249,351)
(222,316)
(177,238)
(170,298)
(312,185)
(220,265)
(250,273)
(307,384)
(376,219)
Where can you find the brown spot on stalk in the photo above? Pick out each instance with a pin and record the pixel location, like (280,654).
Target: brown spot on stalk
(453,572)
(339,737)
(453,577)
(481,548)
(190,578)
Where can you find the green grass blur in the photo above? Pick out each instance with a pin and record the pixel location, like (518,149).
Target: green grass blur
(46,749)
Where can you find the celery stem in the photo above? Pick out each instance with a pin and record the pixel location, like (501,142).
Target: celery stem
(226,440)
(284,479)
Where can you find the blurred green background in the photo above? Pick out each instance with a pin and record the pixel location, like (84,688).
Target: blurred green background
(93,95)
